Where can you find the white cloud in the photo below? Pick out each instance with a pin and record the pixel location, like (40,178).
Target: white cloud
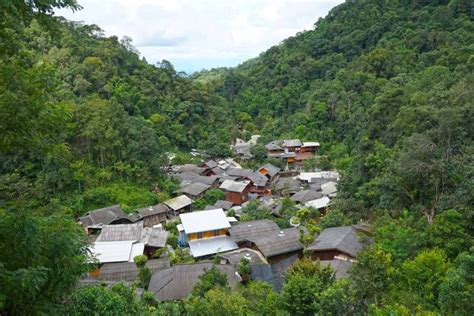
(196,34)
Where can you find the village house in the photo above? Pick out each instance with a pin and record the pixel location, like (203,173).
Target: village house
(191,168)
(177,282)
(292,150)
(179,204)
(274,148)
(153,215)
(311,147)
(195,190)
(236,192)
(225,205)
(270,171)
(342,242)
(94,221)
(329,188)
(205,232)
(306,196)
(233,257)
(153,238)
(292,145)
(320,204)
(190,177)
(286,186)
(266,237)
(115,272)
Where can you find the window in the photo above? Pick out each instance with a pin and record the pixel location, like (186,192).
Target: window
(199,235)
(216,232)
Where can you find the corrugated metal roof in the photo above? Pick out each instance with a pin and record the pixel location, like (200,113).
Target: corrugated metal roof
(203,221)
(113,251)
(329,188)
(157,238)
(179,202)
(318,203)
(122,232)
(271,169)
(310,144)
(208,246)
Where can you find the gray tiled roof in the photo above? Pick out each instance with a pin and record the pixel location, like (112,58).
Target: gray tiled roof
(127,271)
(158,238)
(243,230)
(306,195)
(153,210)
(344,239)
(121,232)
(287,185)
(271,169)
(191,168)
(274,145)
(178,281)
(195,188)
(292,143)
(225,205)
(278,242)
(234,256)
(103,216)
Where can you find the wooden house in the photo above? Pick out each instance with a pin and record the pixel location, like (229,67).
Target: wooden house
(292,145)
(177,282)
(94,221)
(266,237)
(205,232)
(311,147)
(236,192)
(341,242)
(179,204)
(274,148)
(195,190)
(153,215)
(270,171)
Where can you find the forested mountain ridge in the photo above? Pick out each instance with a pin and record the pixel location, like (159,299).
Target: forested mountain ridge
(385,86)
(99,112)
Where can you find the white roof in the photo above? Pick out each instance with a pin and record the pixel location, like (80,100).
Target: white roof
(203,221)
(329,187)
(116,251)
(318,203)
(232,219)
(137,250)
(179,202)
(209,246)
(307,176)
(180,227)
(310,144)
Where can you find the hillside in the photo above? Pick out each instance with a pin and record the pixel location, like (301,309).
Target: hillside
(386,87)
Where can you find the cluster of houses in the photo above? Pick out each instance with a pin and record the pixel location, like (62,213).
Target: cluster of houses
(216,230)
(292,151)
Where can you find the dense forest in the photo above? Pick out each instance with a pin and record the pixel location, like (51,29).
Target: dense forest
(386,87)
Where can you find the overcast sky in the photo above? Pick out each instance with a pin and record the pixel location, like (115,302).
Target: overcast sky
(197,34)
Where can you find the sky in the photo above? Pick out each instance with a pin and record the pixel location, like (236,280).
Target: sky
(201,34)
